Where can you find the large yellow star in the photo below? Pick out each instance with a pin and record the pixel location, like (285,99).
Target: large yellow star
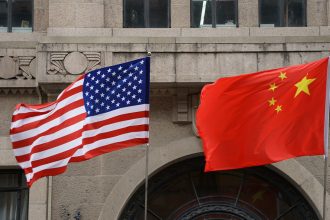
(302,86)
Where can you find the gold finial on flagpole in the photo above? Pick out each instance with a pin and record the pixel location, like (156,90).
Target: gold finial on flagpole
(149,53)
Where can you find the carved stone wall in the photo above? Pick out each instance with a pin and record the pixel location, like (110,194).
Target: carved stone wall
(17,67)
(73,63)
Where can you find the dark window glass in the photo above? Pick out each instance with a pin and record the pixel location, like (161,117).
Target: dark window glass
(134,16)
(158,13)
(16,15)
(212,13)
(295,13)
(22,15)
(282,13)
(3,15)
(201,13)
(146,13)
(13,195)
(226,13)
(270,13)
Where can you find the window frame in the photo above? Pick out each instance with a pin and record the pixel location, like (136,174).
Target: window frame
(10,16)
(146,14)
(284,22)
(18,189)
(214,13)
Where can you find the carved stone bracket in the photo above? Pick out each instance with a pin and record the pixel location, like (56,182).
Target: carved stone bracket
(73,63)
(185,105)
(17,67)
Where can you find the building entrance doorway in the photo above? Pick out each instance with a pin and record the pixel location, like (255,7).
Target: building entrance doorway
(183,191)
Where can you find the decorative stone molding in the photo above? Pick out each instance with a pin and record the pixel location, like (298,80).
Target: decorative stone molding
(20,91)
(17,67)
(73,63)
(162,92)
(185,103)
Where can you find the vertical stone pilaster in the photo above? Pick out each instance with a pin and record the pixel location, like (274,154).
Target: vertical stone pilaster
(113,13)
(180,13)
(248,13)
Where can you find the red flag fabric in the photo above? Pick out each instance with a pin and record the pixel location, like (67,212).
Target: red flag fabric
(104,110)
(264,117)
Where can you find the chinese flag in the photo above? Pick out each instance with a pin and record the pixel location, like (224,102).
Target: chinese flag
(264,117)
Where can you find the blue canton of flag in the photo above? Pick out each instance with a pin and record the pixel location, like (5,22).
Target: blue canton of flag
(115,87)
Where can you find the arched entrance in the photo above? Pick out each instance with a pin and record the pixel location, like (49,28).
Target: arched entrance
(184,191)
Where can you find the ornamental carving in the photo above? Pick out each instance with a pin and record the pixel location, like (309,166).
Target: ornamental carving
(73,63)
(20,91)
(17,67)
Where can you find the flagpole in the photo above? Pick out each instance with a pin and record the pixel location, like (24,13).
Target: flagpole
(147,161)
(325,187)
(326,141)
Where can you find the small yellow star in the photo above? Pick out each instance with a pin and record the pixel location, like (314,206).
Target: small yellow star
(282,76)
(302,86)
(278,108)
(272,87)
(272,101)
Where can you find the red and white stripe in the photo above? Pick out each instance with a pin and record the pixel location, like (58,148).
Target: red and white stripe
(47,137)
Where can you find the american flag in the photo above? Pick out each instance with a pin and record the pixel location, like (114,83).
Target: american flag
(102,111)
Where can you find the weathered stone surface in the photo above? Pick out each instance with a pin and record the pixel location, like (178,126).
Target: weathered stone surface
(92,189)
(270,61)
(89,15)
(146,32)
(38,192)
(73,210)
(75,63)
(76,14)
(210,66)
(38,211)
(8,67)
(61,14)
(90,167)
(316,12)
(180,13)
(79,32)
(118,162)
(246,8)
(7,158)
(284,31)
(215,32)
(113,14)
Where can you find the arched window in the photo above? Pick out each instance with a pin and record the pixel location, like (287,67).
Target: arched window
(146,13)
(184,192)
(282,13)
(14,195)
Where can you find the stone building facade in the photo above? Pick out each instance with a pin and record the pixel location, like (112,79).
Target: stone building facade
(70,37)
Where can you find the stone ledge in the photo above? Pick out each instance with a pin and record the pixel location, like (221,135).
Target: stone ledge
(80,32)
(146,32)
(18,83)
(285,31)
(215,32)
